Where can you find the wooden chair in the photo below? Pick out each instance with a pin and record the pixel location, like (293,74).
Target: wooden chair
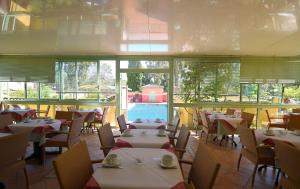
(1,106)
(89,120)
(172,128)
(181,141)
(208,127)
(230,111)
(68,165)
(102,119)
(65,115)
(5,120)
(12,159)
(248,117)
(257,154)
(296,110)
(106,138)
(64,139)
(16,106)
(71,108)
(45,112)
(294,121)
(275,124)
(204,169)
(288,158)
(122,123)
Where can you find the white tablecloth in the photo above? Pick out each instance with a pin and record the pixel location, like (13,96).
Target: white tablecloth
(289,137)
(232,120)
(36,127)
(4,134)
(132,175)
(148,125)
(145,138)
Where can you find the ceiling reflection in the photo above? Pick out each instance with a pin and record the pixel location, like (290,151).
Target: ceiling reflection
(117,27)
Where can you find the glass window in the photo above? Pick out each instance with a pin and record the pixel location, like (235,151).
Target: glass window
(69,80)
(249,92)
(145,64)
(228,82)
(270,93)
(32,90)
(107,82)
(291,94)
(87,80)
(15,90)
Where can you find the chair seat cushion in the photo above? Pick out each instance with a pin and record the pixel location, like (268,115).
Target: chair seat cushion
(58,140)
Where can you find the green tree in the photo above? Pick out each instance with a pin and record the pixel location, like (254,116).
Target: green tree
(134,80)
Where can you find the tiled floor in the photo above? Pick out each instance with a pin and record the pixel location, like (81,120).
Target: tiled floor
(43,177)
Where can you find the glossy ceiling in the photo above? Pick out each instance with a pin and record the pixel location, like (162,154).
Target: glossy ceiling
(150,27)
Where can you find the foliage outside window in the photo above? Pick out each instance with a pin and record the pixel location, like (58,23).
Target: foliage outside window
(196,81)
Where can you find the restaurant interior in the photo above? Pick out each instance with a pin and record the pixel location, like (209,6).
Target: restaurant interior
(149,94)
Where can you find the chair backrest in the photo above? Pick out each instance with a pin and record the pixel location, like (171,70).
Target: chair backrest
(183,138)
(5,120)
(204,169)
(90,117)
(15,147)
(75,130)
(204,119)
(47,111)
(294,121)
(122,123)
(16,106)
(71,108)
(68,165)
(1,106)
(230,111)
(106,137)
(176,122)
(288,159)
(248,139)
(104,114)
(268,116)
(296,110)
(248,117)
(64,115)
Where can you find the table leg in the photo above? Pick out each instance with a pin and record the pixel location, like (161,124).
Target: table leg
(36,152)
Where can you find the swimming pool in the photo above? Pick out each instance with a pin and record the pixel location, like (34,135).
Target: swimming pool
(147,111)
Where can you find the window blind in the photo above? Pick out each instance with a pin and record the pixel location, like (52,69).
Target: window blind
(27,69)
(266,69)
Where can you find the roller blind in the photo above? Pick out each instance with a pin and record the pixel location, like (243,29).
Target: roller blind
(27,69)
(269,69)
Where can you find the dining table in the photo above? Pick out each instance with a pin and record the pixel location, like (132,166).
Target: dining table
(278,134)
(38,129)
(143,138)
(139,168)
(226,124)
(148,124)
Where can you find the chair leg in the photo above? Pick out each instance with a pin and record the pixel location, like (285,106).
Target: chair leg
(206,138)
(43,154)
(253,175)
(277,178)
(26,177)
(239,162)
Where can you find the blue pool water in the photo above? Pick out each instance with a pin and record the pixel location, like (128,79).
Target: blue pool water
(147,111)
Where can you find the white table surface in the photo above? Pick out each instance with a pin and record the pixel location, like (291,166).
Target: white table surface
(33,124)
(289,137)
(147,125)
(145,138)
(5,134)
(147,175)
(232,120)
